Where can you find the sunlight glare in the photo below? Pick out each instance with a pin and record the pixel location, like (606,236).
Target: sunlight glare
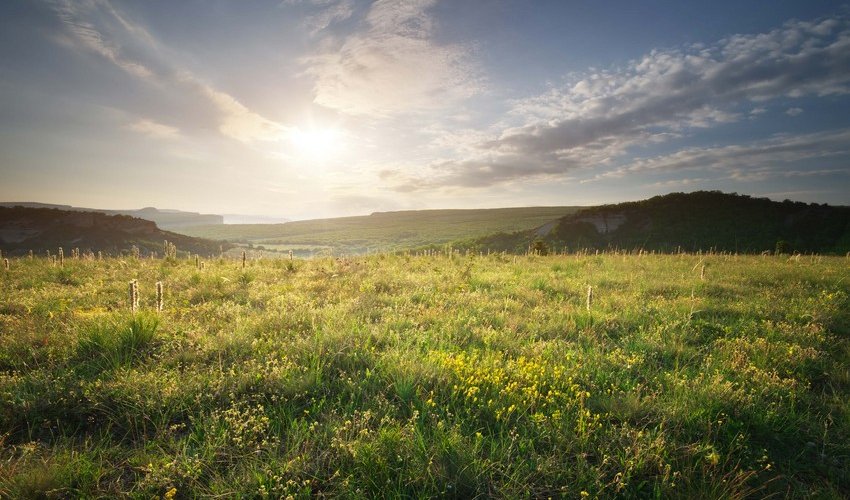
(318,144)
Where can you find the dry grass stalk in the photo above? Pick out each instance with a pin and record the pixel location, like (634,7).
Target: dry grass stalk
(133,296)
(159,296)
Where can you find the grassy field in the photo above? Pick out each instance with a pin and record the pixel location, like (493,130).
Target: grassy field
(464,377)
(382,231)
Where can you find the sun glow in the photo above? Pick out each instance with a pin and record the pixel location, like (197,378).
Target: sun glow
(318,144)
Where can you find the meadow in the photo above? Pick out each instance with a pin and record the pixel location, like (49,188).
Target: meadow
(382,231)
(674,376)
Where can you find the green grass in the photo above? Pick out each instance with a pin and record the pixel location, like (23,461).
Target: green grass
(389,375)
(382,231)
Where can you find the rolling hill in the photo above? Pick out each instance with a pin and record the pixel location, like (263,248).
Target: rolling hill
(164,219)
(695,221)
(381,231)
(39,229)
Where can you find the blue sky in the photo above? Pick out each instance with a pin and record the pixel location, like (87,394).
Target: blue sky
(313,108)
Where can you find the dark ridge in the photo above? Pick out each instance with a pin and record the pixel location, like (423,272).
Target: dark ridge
(164,218)
(40,229)
(698,221)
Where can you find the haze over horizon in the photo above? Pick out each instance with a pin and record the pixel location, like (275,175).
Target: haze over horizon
(319,108)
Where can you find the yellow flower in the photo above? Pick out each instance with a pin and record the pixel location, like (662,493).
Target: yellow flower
(170,494)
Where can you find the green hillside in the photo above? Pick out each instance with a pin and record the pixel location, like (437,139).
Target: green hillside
(691,222)
(382,231)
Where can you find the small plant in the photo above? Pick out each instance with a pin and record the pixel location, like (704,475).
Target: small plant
(6,263)
(243,259)
(61,257)
(539,247)
(109,345)
(169,250)
(589,297)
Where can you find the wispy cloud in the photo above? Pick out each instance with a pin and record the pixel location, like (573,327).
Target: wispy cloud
(392,66)
(237,121)
(154,129)
(601,116)
(89,36)
(749,161)
(692,87)
(96,26)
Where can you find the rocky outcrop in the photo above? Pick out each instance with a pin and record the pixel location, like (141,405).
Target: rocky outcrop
(604,223)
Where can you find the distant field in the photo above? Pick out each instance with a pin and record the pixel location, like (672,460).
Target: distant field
(384,230)
(393,376)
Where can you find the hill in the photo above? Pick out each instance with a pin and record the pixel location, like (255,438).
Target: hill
(695,221)
(39,229)
(165,219)
(382,231)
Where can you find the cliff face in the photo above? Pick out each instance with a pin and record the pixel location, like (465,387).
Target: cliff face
(167,219)
(38,229)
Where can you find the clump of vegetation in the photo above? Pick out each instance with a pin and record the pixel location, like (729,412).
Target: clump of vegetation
(448,375)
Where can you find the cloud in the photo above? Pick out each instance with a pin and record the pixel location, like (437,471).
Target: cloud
(755,112)
(154,129)
(758,159)
(794,111)
(692,87)
(472,173)
(334,13)
(96,26)
(237,121)
(393,66)
(325,12)
(88,35)
(600,117)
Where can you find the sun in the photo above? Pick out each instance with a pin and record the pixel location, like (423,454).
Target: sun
(318,144)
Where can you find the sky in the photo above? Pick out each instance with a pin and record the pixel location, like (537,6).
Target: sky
(320,108)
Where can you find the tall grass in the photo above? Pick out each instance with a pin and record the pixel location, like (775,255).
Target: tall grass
(448,375)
